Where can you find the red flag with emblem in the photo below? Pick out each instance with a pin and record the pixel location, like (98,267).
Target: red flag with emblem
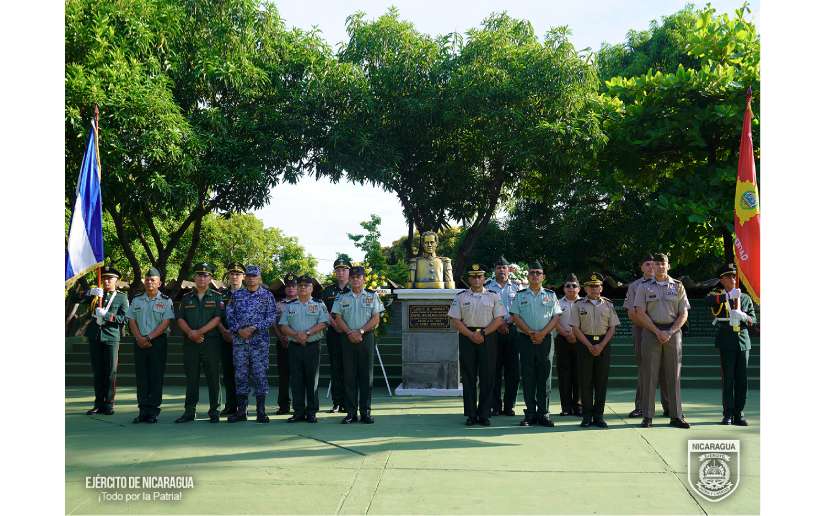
(746,211)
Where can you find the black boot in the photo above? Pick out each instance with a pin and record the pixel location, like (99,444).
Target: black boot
(260,407)
(240,414)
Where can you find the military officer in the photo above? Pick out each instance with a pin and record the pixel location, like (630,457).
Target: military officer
(336,339)
(198,316)
(536,312)
(646,264)
(357,314)
(303,321)
(103,335)
(476,314)
(566,350)
(290,282)
(235,273)
(594,322)
(149,316)
(250,314)
(662,308)
(734,313)
(507,364)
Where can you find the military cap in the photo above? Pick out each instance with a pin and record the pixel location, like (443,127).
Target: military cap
(341,262)
(203,268)
(594,279)
(647,257)
(252,270)
(290,279)
(152,272)
(357,271)
(306,278)
(729,269)
(660,257)
(571,278)
(501,261)
(109,271)
(236,267)
(475,270)
(535,265)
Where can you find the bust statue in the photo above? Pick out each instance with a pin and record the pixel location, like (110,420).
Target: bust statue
(429,270)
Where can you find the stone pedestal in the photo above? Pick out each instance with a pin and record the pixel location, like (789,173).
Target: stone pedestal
(429,344)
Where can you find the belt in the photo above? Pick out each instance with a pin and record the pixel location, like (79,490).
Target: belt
(475,328)
(663,326)
(595,338)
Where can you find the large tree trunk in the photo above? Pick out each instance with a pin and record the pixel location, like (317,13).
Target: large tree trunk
(728,239)
(190,254)
(478,226)
(410,235)
(120,229)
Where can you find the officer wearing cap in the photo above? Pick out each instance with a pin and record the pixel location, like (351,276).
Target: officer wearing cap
(335,338)
(149,316)
(103,335)
(198,316)
(357,314)
(594,322)
(476,313)
(566,351)
(733,313)
(646,264)
(535,312)
(662,308)
(303,321)
(290,282)
(234,275)
(250,314)
(507,364)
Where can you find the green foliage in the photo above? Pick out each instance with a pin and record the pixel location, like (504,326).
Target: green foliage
(370,244)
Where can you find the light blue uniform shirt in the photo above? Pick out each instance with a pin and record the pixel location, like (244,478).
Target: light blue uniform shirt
(536,310)
(507,293)
(356,310)
(302,316)
(150,312)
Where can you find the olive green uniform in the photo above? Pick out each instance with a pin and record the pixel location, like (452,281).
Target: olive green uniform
(150,363)
(104,343)
(335,343)
(227,365)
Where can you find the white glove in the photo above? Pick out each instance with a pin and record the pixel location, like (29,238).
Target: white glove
(96,291)
(740,315)
(100,312)
(734,294)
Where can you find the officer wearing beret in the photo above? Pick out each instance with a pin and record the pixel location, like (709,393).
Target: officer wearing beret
(662,309)
(566,351)
(149,316)
(357,314)
(646,264)
(234,275)
(198,316)
(335,338)
(594,322)
(507,364)
(535,312)
(476,314)
(303,321)
(290,282)
(103,334)
(734,313)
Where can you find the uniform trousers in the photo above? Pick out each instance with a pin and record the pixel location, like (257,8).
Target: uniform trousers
(593,373)
(477,363)
(196,357)
(284,363)
(507,368)
(150,366)
(335,343)
(567,372)
(228,370)
(536,363)
(304,362)
(358,365)
(734,380)
(641,377)
(665,360)
(103,356)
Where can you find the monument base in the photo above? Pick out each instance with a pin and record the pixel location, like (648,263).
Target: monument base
(401,391)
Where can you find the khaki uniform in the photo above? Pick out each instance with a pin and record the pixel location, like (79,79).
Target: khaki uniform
(477,361)
(663,303)
(593,319)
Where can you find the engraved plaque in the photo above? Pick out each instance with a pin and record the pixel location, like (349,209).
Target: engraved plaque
(428,317)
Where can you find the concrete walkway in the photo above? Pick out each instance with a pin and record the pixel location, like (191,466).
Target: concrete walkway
(418,458)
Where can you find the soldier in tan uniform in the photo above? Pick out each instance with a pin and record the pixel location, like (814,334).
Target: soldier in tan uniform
(594,322)
(476,313)
(661,309)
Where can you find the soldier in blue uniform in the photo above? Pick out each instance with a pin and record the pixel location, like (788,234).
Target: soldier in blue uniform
(250,314)
(303,321)
(357,314)
(234,274)
(336,339)
(507,364)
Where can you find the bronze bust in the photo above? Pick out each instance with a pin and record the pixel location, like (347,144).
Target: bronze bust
(429,270)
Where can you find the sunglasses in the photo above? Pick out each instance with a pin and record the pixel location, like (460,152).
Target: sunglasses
(536,273)
(571,285)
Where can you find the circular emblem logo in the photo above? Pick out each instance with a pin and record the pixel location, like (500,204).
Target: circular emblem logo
(475,267)
(714,477)
(748,201)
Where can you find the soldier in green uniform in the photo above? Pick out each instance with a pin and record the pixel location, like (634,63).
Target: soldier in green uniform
(235,274)
(198,316)
(103,334)
(594,322)
(303,321)
(476,314)
(536,312)
(149,316)
(335,338)
(357,314)
(734,313)
(290,282)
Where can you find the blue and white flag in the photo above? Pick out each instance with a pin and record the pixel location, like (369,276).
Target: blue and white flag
(84,250)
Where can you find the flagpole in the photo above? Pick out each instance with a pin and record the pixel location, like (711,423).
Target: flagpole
(97,156)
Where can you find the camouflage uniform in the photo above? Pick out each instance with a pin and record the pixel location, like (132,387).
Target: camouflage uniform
(251,309)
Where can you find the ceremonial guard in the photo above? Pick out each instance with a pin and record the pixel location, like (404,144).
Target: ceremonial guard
(566,351)
(303,321)
(234,274)
(662,308)
(733,313)
(535,312)
(335,338)
(290,282)
(103,334)
(149,316)
(476,314)
(199,314)
(250,314)
(507,364)
(357,314)
(594,322)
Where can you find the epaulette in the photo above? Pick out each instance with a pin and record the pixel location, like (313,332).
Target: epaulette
(522,290)
(645,280)
(164,296)
(579,300)
(290,301)
(460,292)
(607,299)
(215,291)
(489,280)
(676,281)
(370,291)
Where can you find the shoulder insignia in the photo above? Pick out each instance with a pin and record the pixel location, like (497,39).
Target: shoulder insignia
(290,301)
(370,291)
(580,300)
(607,299)
(164,296)
(523,289)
